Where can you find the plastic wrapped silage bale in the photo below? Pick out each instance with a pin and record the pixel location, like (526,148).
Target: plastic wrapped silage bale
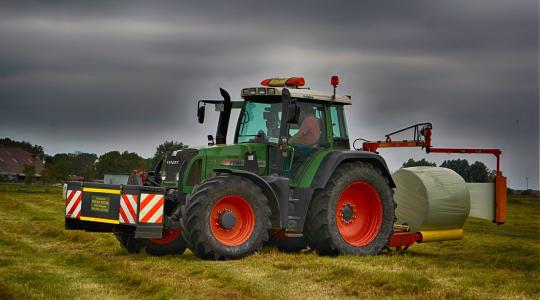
(431,198)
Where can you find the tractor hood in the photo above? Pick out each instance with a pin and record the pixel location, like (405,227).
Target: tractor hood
(234,156)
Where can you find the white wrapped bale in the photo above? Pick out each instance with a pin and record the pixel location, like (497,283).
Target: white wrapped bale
(482,200)
(431,198)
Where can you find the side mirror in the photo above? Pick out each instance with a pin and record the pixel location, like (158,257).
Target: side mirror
(294,113)
(200,113)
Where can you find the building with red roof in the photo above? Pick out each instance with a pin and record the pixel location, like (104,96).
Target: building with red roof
(13,161)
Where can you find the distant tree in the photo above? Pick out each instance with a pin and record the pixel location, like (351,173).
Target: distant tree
(133,161)
(57,167)
(417,163)
(111,163)
(61,165)
(90,172)
(165,148)
(114,162)
(478,172)
(29,171)
(34,149)
(460,166)
(82,164)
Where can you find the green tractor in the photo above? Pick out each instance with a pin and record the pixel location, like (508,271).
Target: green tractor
(288,179)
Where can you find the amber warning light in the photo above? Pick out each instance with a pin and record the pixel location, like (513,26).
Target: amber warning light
(284,82)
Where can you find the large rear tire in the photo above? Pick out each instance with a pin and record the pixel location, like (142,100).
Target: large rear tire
(353,214)
(227,217)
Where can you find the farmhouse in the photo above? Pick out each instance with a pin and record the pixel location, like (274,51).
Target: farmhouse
(13,161)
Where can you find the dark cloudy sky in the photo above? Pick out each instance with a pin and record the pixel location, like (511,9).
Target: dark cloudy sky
(97,76)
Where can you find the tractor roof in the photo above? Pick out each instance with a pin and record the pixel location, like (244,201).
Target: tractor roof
(295,93)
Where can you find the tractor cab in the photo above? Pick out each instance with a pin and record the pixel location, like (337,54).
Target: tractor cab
(262,111)
(293,122)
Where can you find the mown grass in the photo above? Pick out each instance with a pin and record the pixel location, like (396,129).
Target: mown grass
(39,259)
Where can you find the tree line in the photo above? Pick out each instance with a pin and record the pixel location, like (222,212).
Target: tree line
(476,172)
(90,166)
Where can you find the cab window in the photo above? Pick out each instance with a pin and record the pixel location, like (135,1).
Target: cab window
(259,123)
(339,127)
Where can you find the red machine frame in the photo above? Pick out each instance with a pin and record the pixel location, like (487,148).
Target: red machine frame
(401,240)
(422,138)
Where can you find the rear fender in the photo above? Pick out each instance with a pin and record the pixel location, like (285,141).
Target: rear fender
(333,159)
(302,196)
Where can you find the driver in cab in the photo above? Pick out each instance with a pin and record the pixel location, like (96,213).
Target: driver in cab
(310,130)
(306,140)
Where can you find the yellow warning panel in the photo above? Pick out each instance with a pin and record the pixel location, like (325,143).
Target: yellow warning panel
(103,191)
(100,220)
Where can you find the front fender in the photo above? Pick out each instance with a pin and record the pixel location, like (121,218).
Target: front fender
(277,197)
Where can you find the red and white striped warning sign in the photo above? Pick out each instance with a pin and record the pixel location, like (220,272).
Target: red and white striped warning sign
(151,208)
(73,204)
(128,209)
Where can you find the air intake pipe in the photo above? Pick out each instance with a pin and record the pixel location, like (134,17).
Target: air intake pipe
(224,117)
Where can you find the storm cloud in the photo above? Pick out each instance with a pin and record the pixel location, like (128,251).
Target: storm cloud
(97,76)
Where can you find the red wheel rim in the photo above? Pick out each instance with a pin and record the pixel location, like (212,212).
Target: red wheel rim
(359,213)
(245,220)
(168,237)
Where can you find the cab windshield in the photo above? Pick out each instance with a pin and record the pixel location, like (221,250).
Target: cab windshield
(259,123)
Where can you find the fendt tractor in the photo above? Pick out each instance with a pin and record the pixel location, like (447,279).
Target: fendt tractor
(289,179)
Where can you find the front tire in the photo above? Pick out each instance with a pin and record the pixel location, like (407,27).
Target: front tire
(353,214)
(171,243)
(128,242)
(227,217)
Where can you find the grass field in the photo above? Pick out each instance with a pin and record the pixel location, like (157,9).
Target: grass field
(39,259)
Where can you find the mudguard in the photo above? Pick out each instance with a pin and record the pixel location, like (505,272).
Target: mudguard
(301,197)
(276,188)
(333,159)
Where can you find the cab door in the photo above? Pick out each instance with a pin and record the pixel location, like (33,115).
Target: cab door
(307,138)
